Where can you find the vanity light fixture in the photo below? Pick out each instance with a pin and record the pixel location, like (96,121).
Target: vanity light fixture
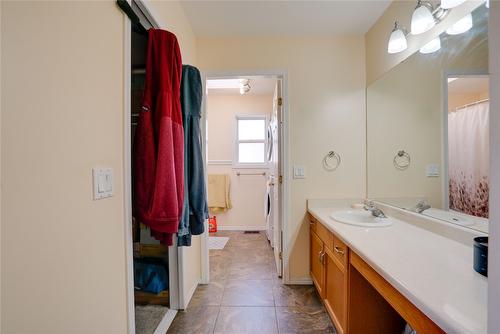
(461,26)
(432,46)
(422,19)
(397,40)
(449,4)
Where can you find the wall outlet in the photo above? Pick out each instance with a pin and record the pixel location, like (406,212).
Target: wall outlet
(299,172)
(432,170)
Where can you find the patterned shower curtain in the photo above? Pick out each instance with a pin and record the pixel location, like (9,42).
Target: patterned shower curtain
(468,144)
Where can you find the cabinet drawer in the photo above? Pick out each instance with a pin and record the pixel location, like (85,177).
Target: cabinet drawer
(340,250)
(312,223)
(325,235)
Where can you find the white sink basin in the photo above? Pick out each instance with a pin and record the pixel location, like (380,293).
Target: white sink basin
(359,218)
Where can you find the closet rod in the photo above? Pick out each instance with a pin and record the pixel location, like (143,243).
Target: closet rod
(471,104)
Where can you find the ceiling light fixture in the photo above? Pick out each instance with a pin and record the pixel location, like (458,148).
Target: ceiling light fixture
(244,86)
(422,19)
(432,46)
(461,26)
(397,40)
(449,4)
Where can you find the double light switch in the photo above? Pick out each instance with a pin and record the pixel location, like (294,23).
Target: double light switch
(103,182)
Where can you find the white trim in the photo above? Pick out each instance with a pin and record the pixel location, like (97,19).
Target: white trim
(220,162)
(286,196)
(301,281)
(127,172)
(190,293)
(165,323)
(237,141)
(241,228)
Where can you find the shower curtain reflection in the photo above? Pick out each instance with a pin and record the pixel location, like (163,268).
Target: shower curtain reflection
(468,140)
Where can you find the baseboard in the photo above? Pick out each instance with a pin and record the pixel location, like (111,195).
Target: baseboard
(191,292)
(300,281)
(165,323)
(241,228)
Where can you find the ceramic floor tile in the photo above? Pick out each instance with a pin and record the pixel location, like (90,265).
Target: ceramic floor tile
(295,295)
(248,293)
(246,320)
(195,320)
(245,271)
(303,320)
(208,295)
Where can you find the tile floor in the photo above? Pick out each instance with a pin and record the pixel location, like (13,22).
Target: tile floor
(245,295)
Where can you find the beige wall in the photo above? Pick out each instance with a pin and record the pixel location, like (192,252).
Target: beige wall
(405,117)
(326,100)
(63,262)
(494,242)
(171,16)
(378,61)
(247,192)
(459,100)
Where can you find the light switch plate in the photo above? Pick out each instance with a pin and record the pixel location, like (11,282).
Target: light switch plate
(432,170)
(299,172)
(103,182)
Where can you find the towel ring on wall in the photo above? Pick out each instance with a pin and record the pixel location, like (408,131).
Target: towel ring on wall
(329,164)
(402,160)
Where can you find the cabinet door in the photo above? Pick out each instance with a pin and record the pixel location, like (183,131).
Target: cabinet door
(336,290)
(317,266)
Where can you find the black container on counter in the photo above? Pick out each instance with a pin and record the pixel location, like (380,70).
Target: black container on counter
(481,255)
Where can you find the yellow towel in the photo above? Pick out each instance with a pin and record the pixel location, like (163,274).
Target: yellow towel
(218,192)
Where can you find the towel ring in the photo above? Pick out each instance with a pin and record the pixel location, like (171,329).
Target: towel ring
(402,160)
(327,161)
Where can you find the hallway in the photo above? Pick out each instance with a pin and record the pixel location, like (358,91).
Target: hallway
(245,295)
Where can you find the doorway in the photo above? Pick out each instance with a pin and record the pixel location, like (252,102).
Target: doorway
(154,271)
(467,148)
(245,143)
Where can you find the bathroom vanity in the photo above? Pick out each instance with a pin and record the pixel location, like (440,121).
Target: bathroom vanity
(378,279)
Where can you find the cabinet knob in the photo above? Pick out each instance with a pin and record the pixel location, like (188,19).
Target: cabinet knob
(339,250)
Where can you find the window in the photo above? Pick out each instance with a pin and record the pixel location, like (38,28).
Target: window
(251,141)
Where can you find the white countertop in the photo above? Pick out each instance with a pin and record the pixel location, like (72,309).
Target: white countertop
(434,272)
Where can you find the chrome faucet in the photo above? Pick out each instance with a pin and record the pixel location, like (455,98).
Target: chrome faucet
(421,206)
(376,212)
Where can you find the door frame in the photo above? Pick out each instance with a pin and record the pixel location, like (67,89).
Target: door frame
(176,275)
(286,193)
(445,184)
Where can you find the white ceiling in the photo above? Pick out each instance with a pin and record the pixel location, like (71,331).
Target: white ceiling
(258,86)
(478,85)
(283,18)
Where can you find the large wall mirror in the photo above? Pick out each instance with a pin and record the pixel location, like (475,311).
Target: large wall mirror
(428,130)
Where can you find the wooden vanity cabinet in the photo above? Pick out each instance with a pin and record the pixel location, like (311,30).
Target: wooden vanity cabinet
(317,263)
(357,298)
(336,285)
(328,272)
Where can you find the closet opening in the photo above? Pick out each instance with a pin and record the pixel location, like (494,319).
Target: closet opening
(245,154)
(153,268)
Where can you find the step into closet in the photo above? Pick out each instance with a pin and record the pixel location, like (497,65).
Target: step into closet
(167,179)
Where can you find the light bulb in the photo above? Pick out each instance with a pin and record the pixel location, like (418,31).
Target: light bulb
(242,90)
(397,40)
(461,26)
(487,3)
(422,19)
(432,46)
(448,4)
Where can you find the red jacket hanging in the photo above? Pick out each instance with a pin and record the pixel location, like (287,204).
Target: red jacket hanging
(158,157)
